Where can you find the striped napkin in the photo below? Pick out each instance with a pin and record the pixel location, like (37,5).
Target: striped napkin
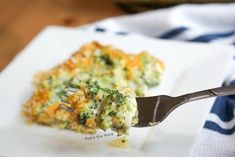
(212,23)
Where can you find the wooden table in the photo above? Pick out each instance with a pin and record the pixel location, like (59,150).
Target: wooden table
(21,20)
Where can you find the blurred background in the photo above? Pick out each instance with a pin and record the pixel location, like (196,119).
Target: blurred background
(21,20)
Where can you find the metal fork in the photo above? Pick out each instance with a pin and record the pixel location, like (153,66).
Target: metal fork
(153,110)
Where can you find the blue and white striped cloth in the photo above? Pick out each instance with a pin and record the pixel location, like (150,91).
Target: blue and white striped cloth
(214,23)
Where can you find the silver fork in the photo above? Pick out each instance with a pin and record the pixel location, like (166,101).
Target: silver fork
(153,110)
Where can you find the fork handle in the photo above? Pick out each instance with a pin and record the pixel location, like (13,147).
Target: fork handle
(221,91)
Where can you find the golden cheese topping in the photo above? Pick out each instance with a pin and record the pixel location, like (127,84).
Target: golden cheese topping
(98,85)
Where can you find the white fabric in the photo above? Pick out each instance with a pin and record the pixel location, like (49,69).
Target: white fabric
(213,144)
(199,18)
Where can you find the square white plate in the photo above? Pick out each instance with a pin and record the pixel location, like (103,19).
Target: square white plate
(189,67)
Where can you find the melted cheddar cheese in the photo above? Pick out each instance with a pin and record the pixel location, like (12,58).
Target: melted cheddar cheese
(106,80)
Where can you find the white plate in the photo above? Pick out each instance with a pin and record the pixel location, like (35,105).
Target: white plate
(189,67)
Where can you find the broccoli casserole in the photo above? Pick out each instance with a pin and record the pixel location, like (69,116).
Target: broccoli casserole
(95,88)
